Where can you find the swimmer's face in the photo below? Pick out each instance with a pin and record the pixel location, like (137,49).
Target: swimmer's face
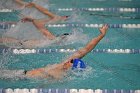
(67,65)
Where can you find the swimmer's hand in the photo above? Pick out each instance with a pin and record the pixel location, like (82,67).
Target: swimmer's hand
(103,29)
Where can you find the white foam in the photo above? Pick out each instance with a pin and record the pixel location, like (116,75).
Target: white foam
(23,31)
(82,73)
(77,37)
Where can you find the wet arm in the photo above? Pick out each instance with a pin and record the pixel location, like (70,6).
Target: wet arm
(91,45)
(45,31)
(44,10)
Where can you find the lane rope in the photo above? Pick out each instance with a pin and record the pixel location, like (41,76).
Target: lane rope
(26,90)
(45,51)
(8,25)
(137,10)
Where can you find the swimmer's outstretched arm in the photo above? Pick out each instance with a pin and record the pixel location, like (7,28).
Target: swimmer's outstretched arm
(44,10)
(40,25)
(44,30)
(91,45)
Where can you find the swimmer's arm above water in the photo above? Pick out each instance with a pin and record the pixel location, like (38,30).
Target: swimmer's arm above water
(91,45)
(44,30)
(40,26)
(43,10)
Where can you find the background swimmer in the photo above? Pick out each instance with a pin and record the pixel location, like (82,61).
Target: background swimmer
(58,71)
(39,24)
(33,43)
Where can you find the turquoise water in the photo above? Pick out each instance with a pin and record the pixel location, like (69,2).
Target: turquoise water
(105,71)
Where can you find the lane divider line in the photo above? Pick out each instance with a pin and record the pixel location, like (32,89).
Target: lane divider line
(46,51)
(25,90)
(88,9)
(8,25)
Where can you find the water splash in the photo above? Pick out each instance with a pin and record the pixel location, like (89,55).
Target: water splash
(5,58)
(77,36)
(35,39)
(12,74)
(79,74)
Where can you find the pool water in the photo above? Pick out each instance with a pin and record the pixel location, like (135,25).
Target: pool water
(104,70)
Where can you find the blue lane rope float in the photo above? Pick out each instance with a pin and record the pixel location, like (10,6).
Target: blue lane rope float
(8,25)
(137,10)
(45,51)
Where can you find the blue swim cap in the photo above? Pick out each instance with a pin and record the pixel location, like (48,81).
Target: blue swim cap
(78,63)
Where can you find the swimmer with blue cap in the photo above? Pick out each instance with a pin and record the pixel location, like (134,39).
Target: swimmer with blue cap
(58,71)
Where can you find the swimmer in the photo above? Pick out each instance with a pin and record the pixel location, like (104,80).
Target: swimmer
(58,71)
(34,43)
(40,25)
